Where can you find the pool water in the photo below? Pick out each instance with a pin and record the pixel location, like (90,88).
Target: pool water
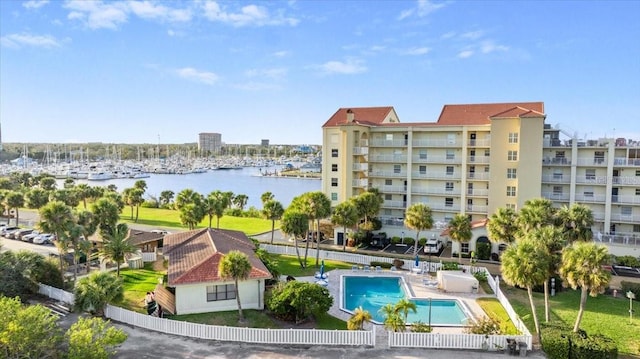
(373,293)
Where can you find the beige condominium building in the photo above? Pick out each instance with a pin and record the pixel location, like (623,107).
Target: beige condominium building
(209,143)
(477,158)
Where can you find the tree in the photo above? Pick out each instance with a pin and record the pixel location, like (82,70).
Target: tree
(368,205)
(576,222)
(166,197)
(392,319)
(320,207)
(96,290)
(93,338)
(216,203)
(190,205)
(66,195)
(403,306)
(240,201)
(582,266)
(295,224)
(15,200)
(460,231)
(235,265)
(357,320)
(116,246)
(36,198)
(267,196)
(418,217)
(83,191)
(48,183)
(89,225)
(502,226)
(141,185)
(57,218)
(106,213)
(526,264)
(550,238)
(273,211)
(535,213)
(27,331)
(298,301)
(346,215)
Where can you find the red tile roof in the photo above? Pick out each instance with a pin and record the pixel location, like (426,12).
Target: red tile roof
(194,255)
(480,114)
(362,115)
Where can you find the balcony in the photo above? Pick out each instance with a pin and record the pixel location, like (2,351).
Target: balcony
(437,159)
(392,221)
(621,161)
(479,143)
(627,239)
(591,179)
(479,159)
(443,207)
(435,143)
(360,167)
(388,158)
(477,192)
(590,198)
(424,190)
(387,174)
(625,218)
(484,176)
(555,178)
(556,196)
(361,151)
(388,143)
(434,175)
(625,199)
(590,161)
(627,181)
(476,208)
(556,161)
(394,204)
(393,189)
(362,183)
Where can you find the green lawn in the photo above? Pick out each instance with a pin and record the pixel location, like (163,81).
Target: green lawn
(496,311)
(289,265)
(603,315)
(137,282)
(256,319)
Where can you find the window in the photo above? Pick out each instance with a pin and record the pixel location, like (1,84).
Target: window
(334,196)
(486,169)
(487,153)
(334,182)
(334,152)
(511,173)
(511,205)
(396,168)
(387,197)
(557,191)
(464,247)
(590,174)
(636,228)
(588,192)
(637,191)
(560,154)
(513,137)
(448,186)
(637,173)
(557,175)
(422,170)
(511,191)
(626,211)
(423,154)
(450,154)
(512,156)
(448,202)
(334,167)
(598,157)
(221,292)
(451,138)
(449,170)
(388,182)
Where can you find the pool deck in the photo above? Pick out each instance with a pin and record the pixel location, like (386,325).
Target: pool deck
(415,283)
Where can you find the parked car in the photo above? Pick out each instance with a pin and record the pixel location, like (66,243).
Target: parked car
(29,237)
(8,231)
(44,238)
(21,233)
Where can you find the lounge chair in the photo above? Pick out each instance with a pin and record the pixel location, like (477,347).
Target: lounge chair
(367,268)
(354,268)
(378,269)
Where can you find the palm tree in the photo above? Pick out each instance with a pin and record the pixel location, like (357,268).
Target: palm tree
(267,196)
(15,200)
(346,215)
(526,264)
(535,213)
(582,266)
(89,224)
(116,246)
(240,201)
(320,206)
(576,222)
(235,265)
(107,213)
(95,291)
(141,184)
(56,217)
(166,197)
(403,306)
(392,319)
(296,224)
(418,217)
(128,198)
(272,211)
(36,198)
(368,205)
(551,238)
(83,191)
(460,230)
(217,202)
(357,320)
(502,226)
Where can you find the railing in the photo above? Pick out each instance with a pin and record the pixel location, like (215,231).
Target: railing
(363,182)
(360,167)
(517,322)
(621,161)
(591,179)
(397,189)
(556,161)
(387,143)
(477,192)
(387,174)
(555,178)
(582,197)
(388,158)
(478,176)
(590,161)
(57,294)
(434,175)
(245,335)
(361,150)
(436,143)
(437,159)
(554,196)
(453,341)
(436,191)
(394,204)
(149,256)
(479,143)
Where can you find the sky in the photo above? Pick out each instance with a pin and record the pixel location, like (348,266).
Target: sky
(164,71)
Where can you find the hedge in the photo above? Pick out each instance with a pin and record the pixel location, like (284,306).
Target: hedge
(560,342)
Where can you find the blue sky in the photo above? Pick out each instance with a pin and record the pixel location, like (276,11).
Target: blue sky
(147,71)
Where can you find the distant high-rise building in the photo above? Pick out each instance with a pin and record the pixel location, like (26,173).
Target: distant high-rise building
(264,143)
(209,143)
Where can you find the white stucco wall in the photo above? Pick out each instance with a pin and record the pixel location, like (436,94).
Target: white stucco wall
(192,298)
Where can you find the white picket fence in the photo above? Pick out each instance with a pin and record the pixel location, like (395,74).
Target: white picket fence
(149,256)
(454,341)
(245,335)
(519,324)
(56,293)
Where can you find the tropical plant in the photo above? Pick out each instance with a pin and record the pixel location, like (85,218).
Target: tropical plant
(166,197)
(57,218)
(267,196)
(235,265)
(116,246)
(582,266)
(460,231)
(403,306)
(295,224)
(320,207)
(15,200)
(419,218)
(107,213)
(93,338)
(298,301)
(240,201)
(273,211)
(551,238)
(357,320)
(535,213)
(502,226)
(526,264)
(368,205)
(216,203)
(576,222)
(95,291)
(392,319)
(36,198)
(346,215)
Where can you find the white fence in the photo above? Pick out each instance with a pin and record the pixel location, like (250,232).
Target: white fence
(454,341)
(149,256)
(56,293)
(246,335)
(494,284)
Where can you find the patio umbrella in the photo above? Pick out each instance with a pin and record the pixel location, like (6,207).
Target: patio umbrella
(417,261)
(322,275)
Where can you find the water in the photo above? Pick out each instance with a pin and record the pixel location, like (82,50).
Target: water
(373,293)
(244,181)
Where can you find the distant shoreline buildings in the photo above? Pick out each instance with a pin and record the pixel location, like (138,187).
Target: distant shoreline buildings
(209,143)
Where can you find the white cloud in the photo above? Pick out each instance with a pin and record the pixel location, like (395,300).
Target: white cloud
(281,53)
(96,14)
(465,54)
(149,10)
(275,73)
(377,48)
(21,40)
(417,51)
(189,73)
(249,15)
(349,67)
(422,9)
(472,35)
(257,86)
(489,46)
(34,4)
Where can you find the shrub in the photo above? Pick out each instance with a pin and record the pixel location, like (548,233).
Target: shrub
(298,301)
(409,241)
(628,261)
(252,212)
(630,286)
(398,263)
(422,241)
(560,342)
(395,240)
(149,204)
(483,251)
(384,265)
(233,212)
(481,276)
(420,327)
(484,325)
(450,266)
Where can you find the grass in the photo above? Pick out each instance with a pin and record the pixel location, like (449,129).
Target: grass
(496,311)
(159,217)
(603,315)
(289,265)
(137,282)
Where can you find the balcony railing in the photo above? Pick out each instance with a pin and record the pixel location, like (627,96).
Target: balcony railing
(479,143)
(360,183)
(590,161)
(591,179)
(555,178)
(436,143)
(394,204)
(590,198)
(392,221)
(388,143)
(436,191)
(388,174)
(388,158)
(394,189)
(627,180)
(476,208)
(434,175)
(478,176)
(364,167)
(556,196)
(621,161)
(627,239)
(625,218)
(625,199)
(436,159)
(477,192)
(479,159)
(556,161)
(361,151)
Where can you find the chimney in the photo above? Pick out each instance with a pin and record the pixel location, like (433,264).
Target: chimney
(350,116)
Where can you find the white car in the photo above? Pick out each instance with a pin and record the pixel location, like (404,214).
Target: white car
(29,237)
(44,238)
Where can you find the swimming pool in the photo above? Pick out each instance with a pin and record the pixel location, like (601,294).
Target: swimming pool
(373,293)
